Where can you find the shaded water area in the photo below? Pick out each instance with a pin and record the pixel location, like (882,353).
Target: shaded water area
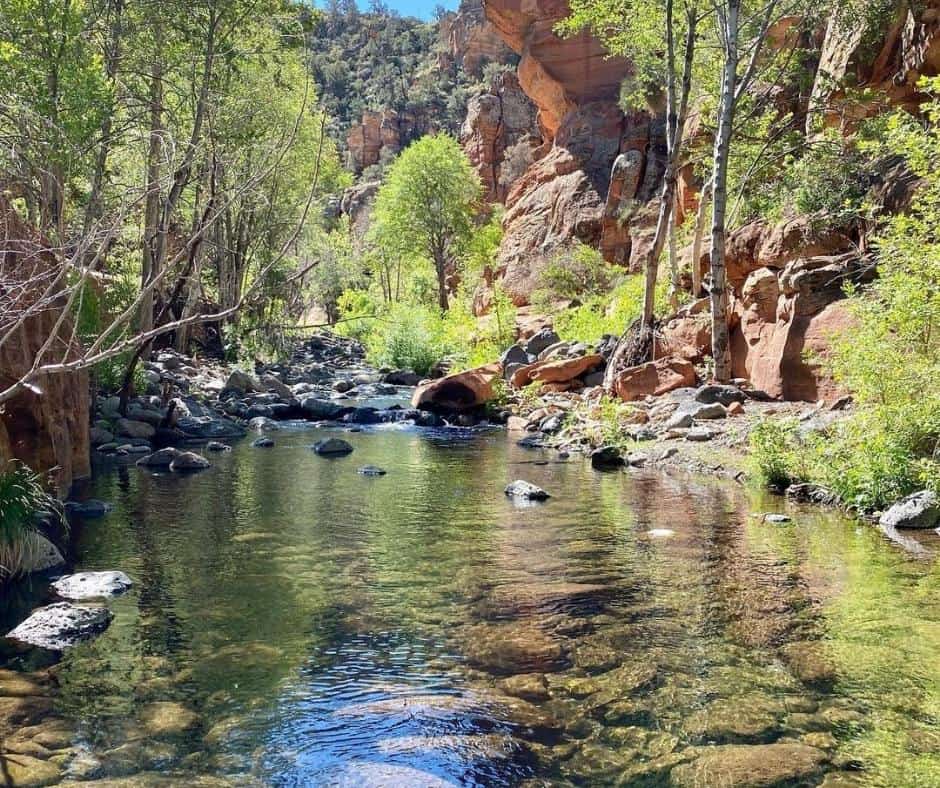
(294,623)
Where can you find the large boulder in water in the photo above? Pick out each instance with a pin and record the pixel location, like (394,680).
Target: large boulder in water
(460,391)
(920,510)
(62,625)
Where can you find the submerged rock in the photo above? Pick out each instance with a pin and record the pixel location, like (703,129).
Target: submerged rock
(367,774)
(513,648)
(526,490)
(88,509)
(528,686)
(62,625)
(167,718)
(92,585)
(332,446)
(919,510)
(757,766)
(738,719)
(216,446)
(262,443)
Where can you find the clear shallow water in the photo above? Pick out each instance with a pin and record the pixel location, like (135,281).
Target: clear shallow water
(295,623)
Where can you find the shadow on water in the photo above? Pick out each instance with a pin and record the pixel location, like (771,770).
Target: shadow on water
(296,623)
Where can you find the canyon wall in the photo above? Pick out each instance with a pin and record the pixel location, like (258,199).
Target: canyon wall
(593,170)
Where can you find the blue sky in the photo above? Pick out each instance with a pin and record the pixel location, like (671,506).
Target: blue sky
(423,9)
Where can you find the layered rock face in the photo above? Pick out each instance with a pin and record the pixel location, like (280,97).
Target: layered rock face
(558,74)
(890,59)
(595,169)
(788,285)
(379,137)
(46,428)
(500,135)
(471,41)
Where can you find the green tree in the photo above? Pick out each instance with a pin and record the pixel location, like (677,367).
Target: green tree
(426,206)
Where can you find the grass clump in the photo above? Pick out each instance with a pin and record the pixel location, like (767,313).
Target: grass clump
(22,497)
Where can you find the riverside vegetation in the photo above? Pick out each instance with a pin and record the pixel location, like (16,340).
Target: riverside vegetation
(288,295)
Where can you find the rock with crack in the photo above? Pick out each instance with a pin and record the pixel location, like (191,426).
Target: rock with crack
(62,625)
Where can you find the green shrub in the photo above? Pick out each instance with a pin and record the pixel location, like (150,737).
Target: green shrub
(774,453)
(109,374)
(22,497)
(407,337)
(609,313)
(575,272)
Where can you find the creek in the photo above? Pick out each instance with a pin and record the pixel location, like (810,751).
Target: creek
(296,623)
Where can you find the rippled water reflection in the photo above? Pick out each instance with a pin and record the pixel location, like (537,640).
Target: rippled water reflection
(295,623)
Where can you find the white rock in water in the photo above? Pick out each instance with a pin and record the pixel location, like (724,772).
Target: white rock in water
(92,585)
(920,510)
(660,533)
(62,625)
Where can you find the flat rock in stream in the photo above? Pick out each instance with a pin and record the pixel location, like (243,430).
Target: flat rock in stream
(62,625)
(526,491)
(371,470)
(92,585)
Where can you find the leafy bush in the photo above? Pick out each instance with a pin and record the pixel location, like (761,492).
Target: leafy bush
(109,374)
(408,337)
(774,453)
(575,272)
(22,497)
(609,313)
